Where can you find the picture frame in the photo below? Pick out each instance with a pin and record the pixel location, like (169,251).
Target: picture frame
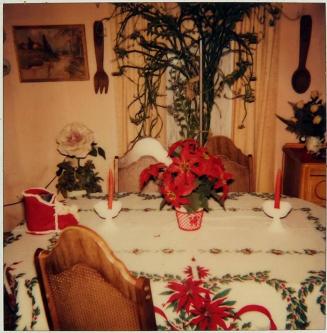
(51,53)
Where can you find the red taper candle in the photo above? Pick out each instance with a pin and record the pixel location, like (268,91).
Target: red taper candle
(278,188)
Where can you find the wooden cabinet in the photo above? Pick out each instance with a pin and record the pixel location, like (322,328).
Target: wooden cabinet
(304,175)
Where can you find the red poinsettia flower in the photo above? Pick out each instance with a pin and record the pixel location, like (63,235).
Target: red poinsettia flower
(152,172)
(185,182)
(201,164)
(173,194)
(188,293)
(192,177)
(173,197)
(222,183)
(182,174)
(215,167)
(209,315)
(182,146)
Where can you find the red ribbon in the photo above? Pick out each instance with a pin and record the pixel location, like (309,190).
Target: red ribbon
(257,308)
(245,309)
(161,313)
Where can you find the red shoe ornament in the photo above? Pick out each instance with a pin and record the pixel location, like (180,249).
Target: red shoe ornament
(44,214)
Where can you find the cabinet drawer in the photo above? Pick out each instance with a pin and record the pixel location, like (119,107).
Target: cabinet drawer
(316,190)
(304,174)
(321,171)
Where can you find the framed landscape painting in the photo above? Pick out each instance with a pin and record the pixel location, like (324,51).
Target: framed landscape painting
(51,53)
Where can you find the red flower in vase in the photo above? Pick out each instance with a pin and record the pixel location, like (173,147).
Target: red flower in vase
(180,178)
(182,146)
(202,165)
(173,192)
(173,195)
(209,315)
(151,172)
(181,170)
(189,293)
(191,179)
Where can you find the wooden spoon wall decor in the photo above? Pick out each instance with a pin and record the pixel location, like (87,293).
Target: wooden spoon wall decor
(301,78)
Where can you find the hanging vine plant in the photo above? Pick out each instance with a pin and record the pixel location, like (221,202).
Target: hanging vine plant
(169,42)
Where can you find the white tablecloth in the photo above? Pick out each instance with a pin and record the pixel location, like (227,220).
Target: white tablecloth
(252,277)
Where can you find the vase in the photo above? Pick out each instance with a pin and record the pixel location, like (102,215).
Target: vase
(313,144)
(189,221)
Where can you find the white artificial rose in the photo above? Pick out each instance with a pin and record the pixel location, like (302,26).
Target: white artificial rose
(313,144)
(75,140)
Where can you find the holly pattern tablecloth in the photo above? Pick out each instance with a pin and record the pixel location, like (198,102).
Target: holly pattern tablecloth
(234,273)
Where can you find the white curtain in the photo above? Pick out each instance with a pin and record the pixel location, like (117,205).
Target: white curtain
(258,135)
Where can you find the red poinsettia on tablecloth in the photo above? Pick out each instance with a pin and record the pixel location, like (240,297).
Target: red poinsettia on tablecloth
(200,308)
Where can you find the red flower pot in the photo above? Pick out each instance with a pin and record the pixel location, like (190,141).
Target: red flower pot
(189,221)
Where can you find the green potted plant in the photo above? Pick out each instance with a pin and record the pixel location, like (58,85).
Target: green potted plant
(173,43)
(76,142)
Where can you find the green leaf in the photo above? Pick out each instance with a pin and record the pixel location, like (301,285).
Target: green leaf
(303,316)
(218,199)
(290,123)
(101,152)
(93,152)
(303,307)
(246,325)
(222,294)
(168,292)
(162,204)
(20,275)
(301,325)
(59,171)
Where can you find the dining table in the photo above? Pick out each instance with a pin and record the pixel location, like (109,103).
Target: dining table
(238,271)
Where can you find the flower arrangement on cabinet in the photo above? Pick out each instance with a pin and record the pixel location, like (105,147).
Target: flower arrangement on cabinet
(191,179)
(76,142)
(309,118)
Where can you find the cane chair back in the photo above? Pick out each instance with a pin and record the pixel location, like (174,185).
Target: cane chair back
(128,167)
(86,287)
(235,161)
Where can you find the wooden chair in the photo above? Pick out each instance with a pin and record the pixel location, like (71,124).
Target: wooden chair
(86,287)
(239,164)
(128,167)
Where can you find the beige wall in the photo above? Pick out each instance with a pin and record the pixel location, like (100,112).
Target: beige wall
(288,63)
(35,112)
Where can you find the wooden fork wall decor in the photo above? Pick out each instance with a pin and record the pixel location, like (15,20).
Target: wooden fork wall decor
(101,79)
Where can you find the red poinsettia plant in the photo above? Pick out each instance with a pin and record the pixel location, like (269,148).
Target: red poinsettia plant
(191,179)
